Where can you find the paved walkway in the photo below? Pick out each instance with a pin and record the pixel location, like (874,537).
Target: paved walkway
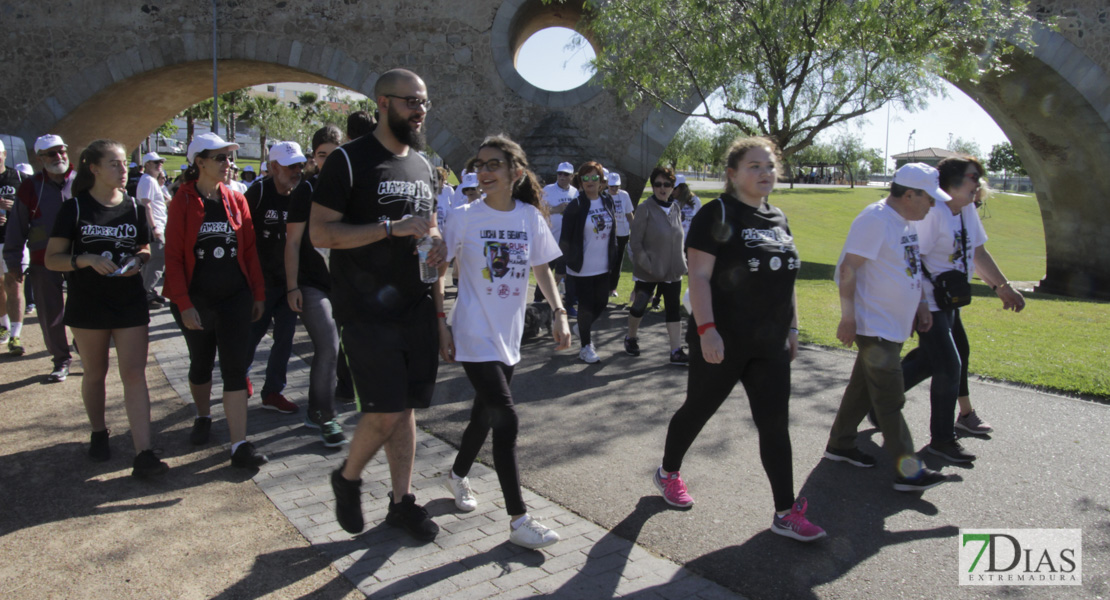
(471,557)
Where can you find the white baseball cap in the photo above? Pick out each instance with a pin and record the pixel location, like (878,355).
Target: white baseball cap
(207,141)
(921,176)
(287,153)
(48,141)
(469,180)
(248,169)
(25,169)
(565,167)
(614,179)
(679,179)
(152,156)
(1,145)
(263,167)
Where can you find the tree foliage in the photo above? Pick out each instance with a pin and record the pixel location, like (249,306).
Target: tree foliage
(1004,158)
(789,69)
(965,147)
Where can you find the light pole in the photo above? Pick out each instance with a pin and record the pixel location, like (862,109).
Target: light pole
(886,153)
(215,77)
(909,142)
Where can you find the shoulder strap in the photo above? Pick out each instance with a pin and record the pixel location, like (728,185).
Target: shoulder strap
(963,240)
(719,199)
(350,169)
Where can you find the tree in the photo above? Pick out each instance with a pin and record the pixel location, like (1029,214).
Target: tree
(1003,158)
(691,146)
(232,104)
(261,113)
(307,101)
(848,150)
(200,110)
(789,70)
(965,147)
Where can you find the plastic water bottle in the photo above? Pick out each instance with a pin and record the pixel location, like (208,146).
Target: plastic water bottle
(428,274)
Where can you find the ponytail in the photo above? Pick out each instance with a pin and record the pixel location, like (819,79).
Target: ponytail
(91,155)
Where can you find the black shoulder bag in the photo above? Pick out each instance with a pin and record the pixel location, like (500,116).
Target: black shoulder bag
(952,289)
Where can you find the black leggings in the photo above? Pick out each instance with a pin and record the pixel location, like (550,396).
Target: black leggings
(767,383)
(227,328)
(642,294)
(593,296)
(615,269)
(493,409)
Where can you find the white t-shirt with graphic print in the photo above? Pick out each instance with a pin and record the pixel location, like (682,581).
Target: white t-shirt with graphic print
(496,250)
(595,250)
(888,285)
(939,237)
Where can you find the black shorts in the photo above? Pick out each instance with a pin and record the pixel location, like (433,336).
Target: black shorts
(393,364)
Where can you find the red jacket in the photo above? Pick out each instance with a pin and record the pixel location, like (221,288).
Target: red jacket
(185,215)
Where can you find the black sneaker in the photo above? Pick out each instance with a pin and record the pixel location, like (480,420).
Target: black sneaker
(925,479)
(632,346)
(952,450)
(412,517)
(655,303)
(246,457)
(146,464)
(679,358)
(852,456)
(58,375)
(99,450)
(199,435)
(348,501)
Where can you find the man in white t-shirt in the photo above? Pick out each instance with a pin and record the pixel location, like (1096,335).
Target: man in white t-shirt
(881,298)
(557,195)
(150,194)
(623,226)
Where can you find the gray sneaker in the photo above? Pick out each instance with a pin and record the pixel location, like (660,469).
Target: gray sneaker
(971,423)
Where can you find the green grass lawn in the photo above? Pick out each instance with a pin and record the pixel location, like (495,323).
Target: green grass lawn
(1056,342)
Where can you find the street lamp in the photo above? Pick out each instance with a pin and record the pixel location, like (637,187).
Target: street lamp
(909,142)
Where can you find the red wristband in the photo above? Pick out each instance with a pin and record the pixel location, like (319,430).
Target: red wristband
(703,328)
(441,315)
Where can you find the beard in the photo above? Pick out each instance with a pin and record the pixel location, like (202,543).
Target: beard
(59,169)
(400,128)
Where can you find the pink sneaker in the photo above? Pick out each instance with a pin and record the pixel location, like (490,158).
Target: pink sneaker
(275,401)
(795,525)
(673,489)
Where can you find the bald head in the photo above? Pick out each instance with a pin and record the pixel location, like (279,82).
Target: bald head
(393,79)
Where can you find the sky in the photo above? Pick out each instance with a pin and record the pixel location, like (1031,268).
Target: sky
(545,61)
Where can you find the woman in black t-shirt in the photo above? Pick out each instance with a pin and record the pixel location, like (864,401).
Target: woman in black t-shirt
(744,328)
(101,237)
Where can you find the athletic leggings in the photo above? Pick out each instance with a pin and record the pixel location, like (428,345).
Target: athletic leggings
(227,328)
(767,383)
(493,409)
(593,295)
(642,294)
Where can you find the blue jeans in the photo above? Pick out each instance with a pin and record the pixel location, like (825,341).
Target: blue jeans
(285,322)
(941,354)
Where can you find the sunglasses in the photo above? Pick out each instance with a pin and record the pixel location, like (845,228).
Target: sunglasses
(662,184)
(53,153)
(412,102)
(219,158)
(591,178)
(973,176)
(490,165)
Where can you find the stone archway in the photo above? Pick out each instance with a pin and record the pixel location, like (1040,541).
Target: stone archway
(120,69)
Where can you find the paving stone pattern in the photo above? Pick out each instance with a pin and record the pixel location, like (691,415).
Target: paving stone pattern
(471,557)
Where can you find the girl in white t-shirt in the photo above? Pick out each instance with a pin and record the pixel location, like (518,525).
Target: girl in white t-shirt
(496,241)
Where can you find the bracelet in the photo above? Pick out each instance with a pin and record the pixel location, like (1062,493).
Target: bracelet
(994,288)
(440,315)
(793,330)
(703,328)
(388,227)
(73,261)
(292,290)
(559,310)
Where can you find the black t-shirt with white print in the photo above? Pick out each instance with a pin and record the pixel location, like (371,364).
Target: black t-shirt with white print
(269,211)
(755,266)
(10,180)
(98,301)
(216,274)
(367,183)
(312,270)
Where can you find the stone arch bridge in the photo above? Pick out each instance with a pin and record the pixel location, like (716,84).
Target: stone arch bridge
(120,68)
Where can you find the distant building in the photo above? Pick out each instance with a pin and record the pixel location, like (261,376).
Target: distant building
(929,156)
(288,92)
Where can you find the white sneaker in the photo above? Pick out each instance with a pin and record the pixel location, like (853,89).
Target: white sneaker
(464,498)
(587,354)
(574,330)
(532,535)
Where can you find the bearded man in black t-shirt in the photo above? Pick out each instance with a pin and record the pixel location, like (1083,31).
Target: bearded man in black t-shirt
(373,201)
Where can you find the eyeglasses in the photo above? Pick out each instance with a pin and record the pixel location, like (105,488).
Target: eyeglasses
(662,184)
(560,174)
(490,165)
(591,178)
(219,158)
(412,102)
(53,153)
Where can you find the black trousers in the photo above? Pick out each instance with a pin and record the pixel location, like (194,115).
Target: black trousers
(593,296)
(767,383)
(493,409)
(227,330)
(615,269)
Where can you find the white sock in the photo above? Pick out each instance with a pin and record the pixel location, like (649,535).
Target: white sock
(16,328)
(236,445)
(5,321)
(517,523)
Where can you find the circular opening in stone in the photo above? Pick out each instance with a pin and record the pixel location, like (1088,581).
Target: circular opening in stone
(555,59)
